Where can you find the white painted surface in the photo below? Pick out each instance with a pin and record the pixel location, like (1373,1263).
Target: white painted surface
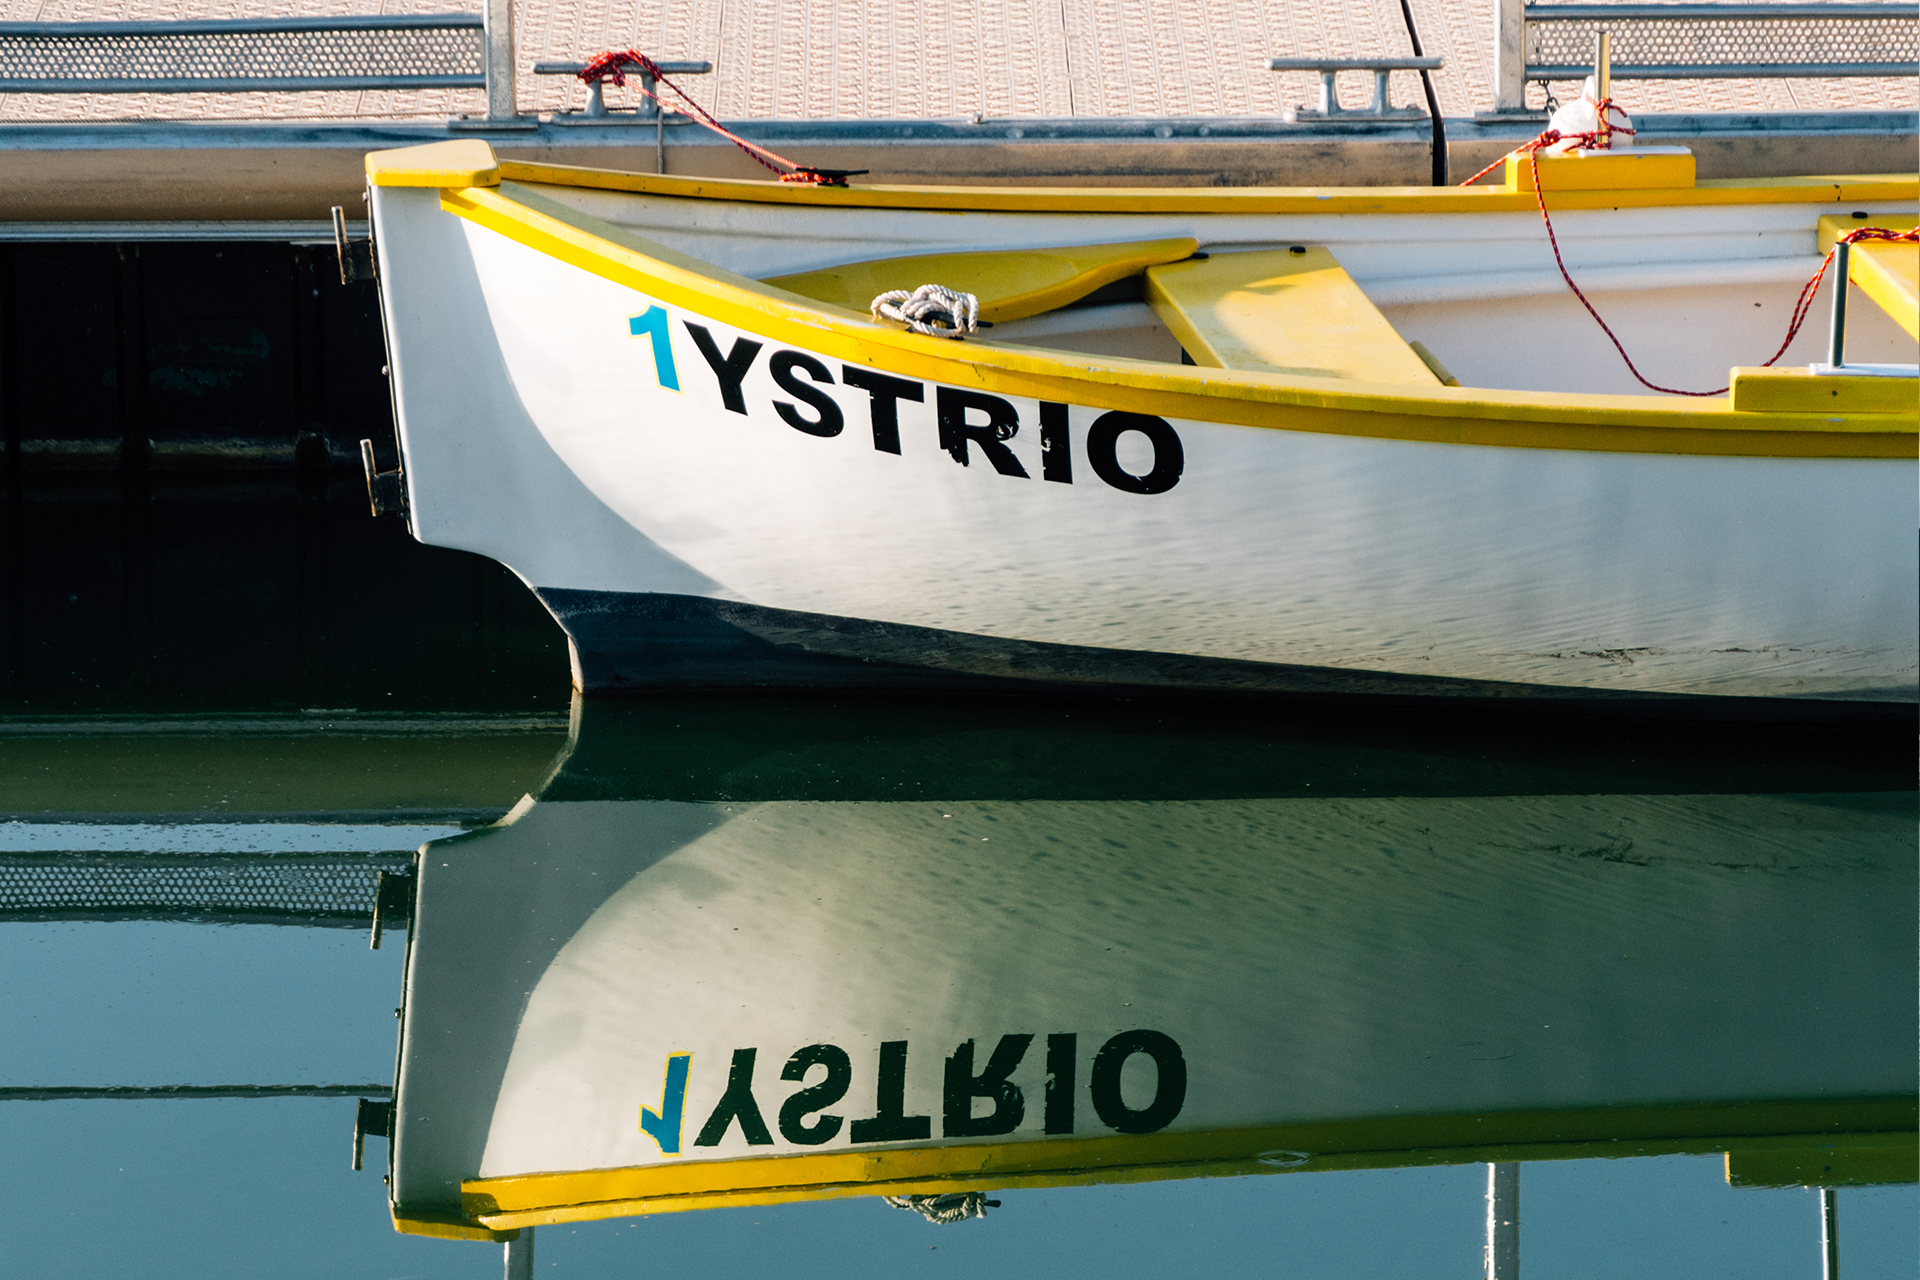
(537,434)
(1315,960)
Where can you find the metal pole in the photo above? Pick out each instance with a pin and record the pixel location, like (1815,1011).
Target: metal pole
(1829,1234)
(519,1251)
(1837,334)
(1503,1222)
(1602,69)
(501,104)
(1509,55)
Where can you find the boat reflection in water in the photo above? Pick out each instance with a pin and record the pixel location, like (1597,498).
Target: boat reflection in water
(742,952)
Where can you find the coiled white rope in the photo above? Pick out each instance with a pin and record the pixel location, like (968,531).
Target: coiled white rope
(932,309)
(955,1206)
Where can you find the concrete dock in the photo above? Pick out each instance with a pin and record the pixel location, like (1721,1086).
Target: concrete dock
(1099,92)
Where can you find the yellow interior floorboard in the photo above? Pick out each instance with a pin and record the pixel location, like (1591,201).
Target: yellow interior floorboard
(1011,284)
(1281,310)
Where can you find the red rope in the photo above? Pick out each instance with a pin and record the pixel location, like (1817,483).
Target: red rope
(613,66)
(1600,139)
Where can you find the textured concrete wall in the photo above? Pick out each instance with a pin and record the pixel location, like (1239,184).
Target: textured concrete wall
(934,59)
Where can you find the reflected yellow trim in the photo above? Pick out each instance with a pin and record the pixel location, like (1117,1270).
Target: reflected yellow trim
(446,1227)
(1330,406)
(1869,1160)
(537,1199)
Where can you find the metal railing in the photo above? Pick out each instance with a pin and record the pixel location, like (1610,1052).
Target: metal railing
(1552,42)
(427,51)
(330,890)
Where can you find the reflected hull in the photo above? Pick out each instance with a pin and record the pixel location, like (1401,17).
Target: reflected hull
(1343,982)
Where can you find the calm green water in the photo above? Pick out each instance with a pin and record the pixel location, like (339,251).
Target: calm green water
(1610,954)
(1764,887)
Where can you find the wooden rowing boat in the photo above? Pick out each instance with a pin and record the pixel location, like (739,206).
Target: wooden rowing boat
(1338,442)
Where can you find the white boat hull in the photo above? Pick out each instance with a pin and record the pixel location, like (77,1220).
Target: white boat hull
(683,539)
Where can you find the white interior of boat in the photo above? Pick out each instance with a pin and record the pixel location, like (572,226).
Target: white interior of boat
(1690,291)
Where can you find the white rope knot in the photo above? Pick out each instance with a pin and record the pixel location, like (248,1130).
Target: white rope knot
(932,309)
(943,1210)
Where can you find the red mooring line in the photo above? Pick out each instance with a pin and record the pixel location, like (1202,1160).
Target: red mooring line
(1601,138)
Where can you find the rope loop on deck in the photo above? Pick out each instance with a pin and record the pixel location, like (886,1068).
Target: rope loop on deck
(932,309)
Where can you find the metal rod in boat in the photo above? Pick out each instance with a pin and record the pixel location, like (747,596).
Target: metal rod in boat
(1837,336)
(1829,1234)
(519,1256)
(1602,68)
(1503,1222)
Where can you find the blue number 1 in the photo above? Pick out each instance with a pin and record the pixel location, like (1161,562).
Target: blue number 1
(663,1126)
(653,323)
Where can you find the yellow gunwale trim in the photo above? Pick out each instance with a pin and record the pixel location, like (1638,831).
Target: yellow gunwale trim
(462,162)
(1818,189)
(543,1198)
(1326,406)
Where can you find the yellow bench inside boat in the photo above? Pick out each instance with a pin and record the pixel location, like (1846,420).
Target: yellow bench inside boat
(1886,272)
(1011,284)
(1292,310)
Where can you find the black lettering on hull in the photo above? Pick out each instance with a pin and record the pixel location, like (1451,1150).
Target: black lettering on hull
(1103,439)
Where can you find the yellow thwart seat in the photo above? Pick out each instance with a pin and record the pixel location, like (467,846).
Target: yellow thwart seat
(1890,274)
(1281,311)
(1887,272)
(1011,284)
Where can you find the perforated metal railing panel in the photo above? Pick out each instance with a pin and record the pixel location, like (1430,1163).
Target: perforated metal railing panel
(889,59)
(406,52)
(324,890)
(1729,47)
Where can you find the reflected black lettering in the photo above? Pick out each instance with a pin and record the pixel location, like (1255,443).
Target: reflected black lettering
(1062,1055)
(887,1124)
(962,1087)
(815,1097)
(737,1104)
(1169,1090)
